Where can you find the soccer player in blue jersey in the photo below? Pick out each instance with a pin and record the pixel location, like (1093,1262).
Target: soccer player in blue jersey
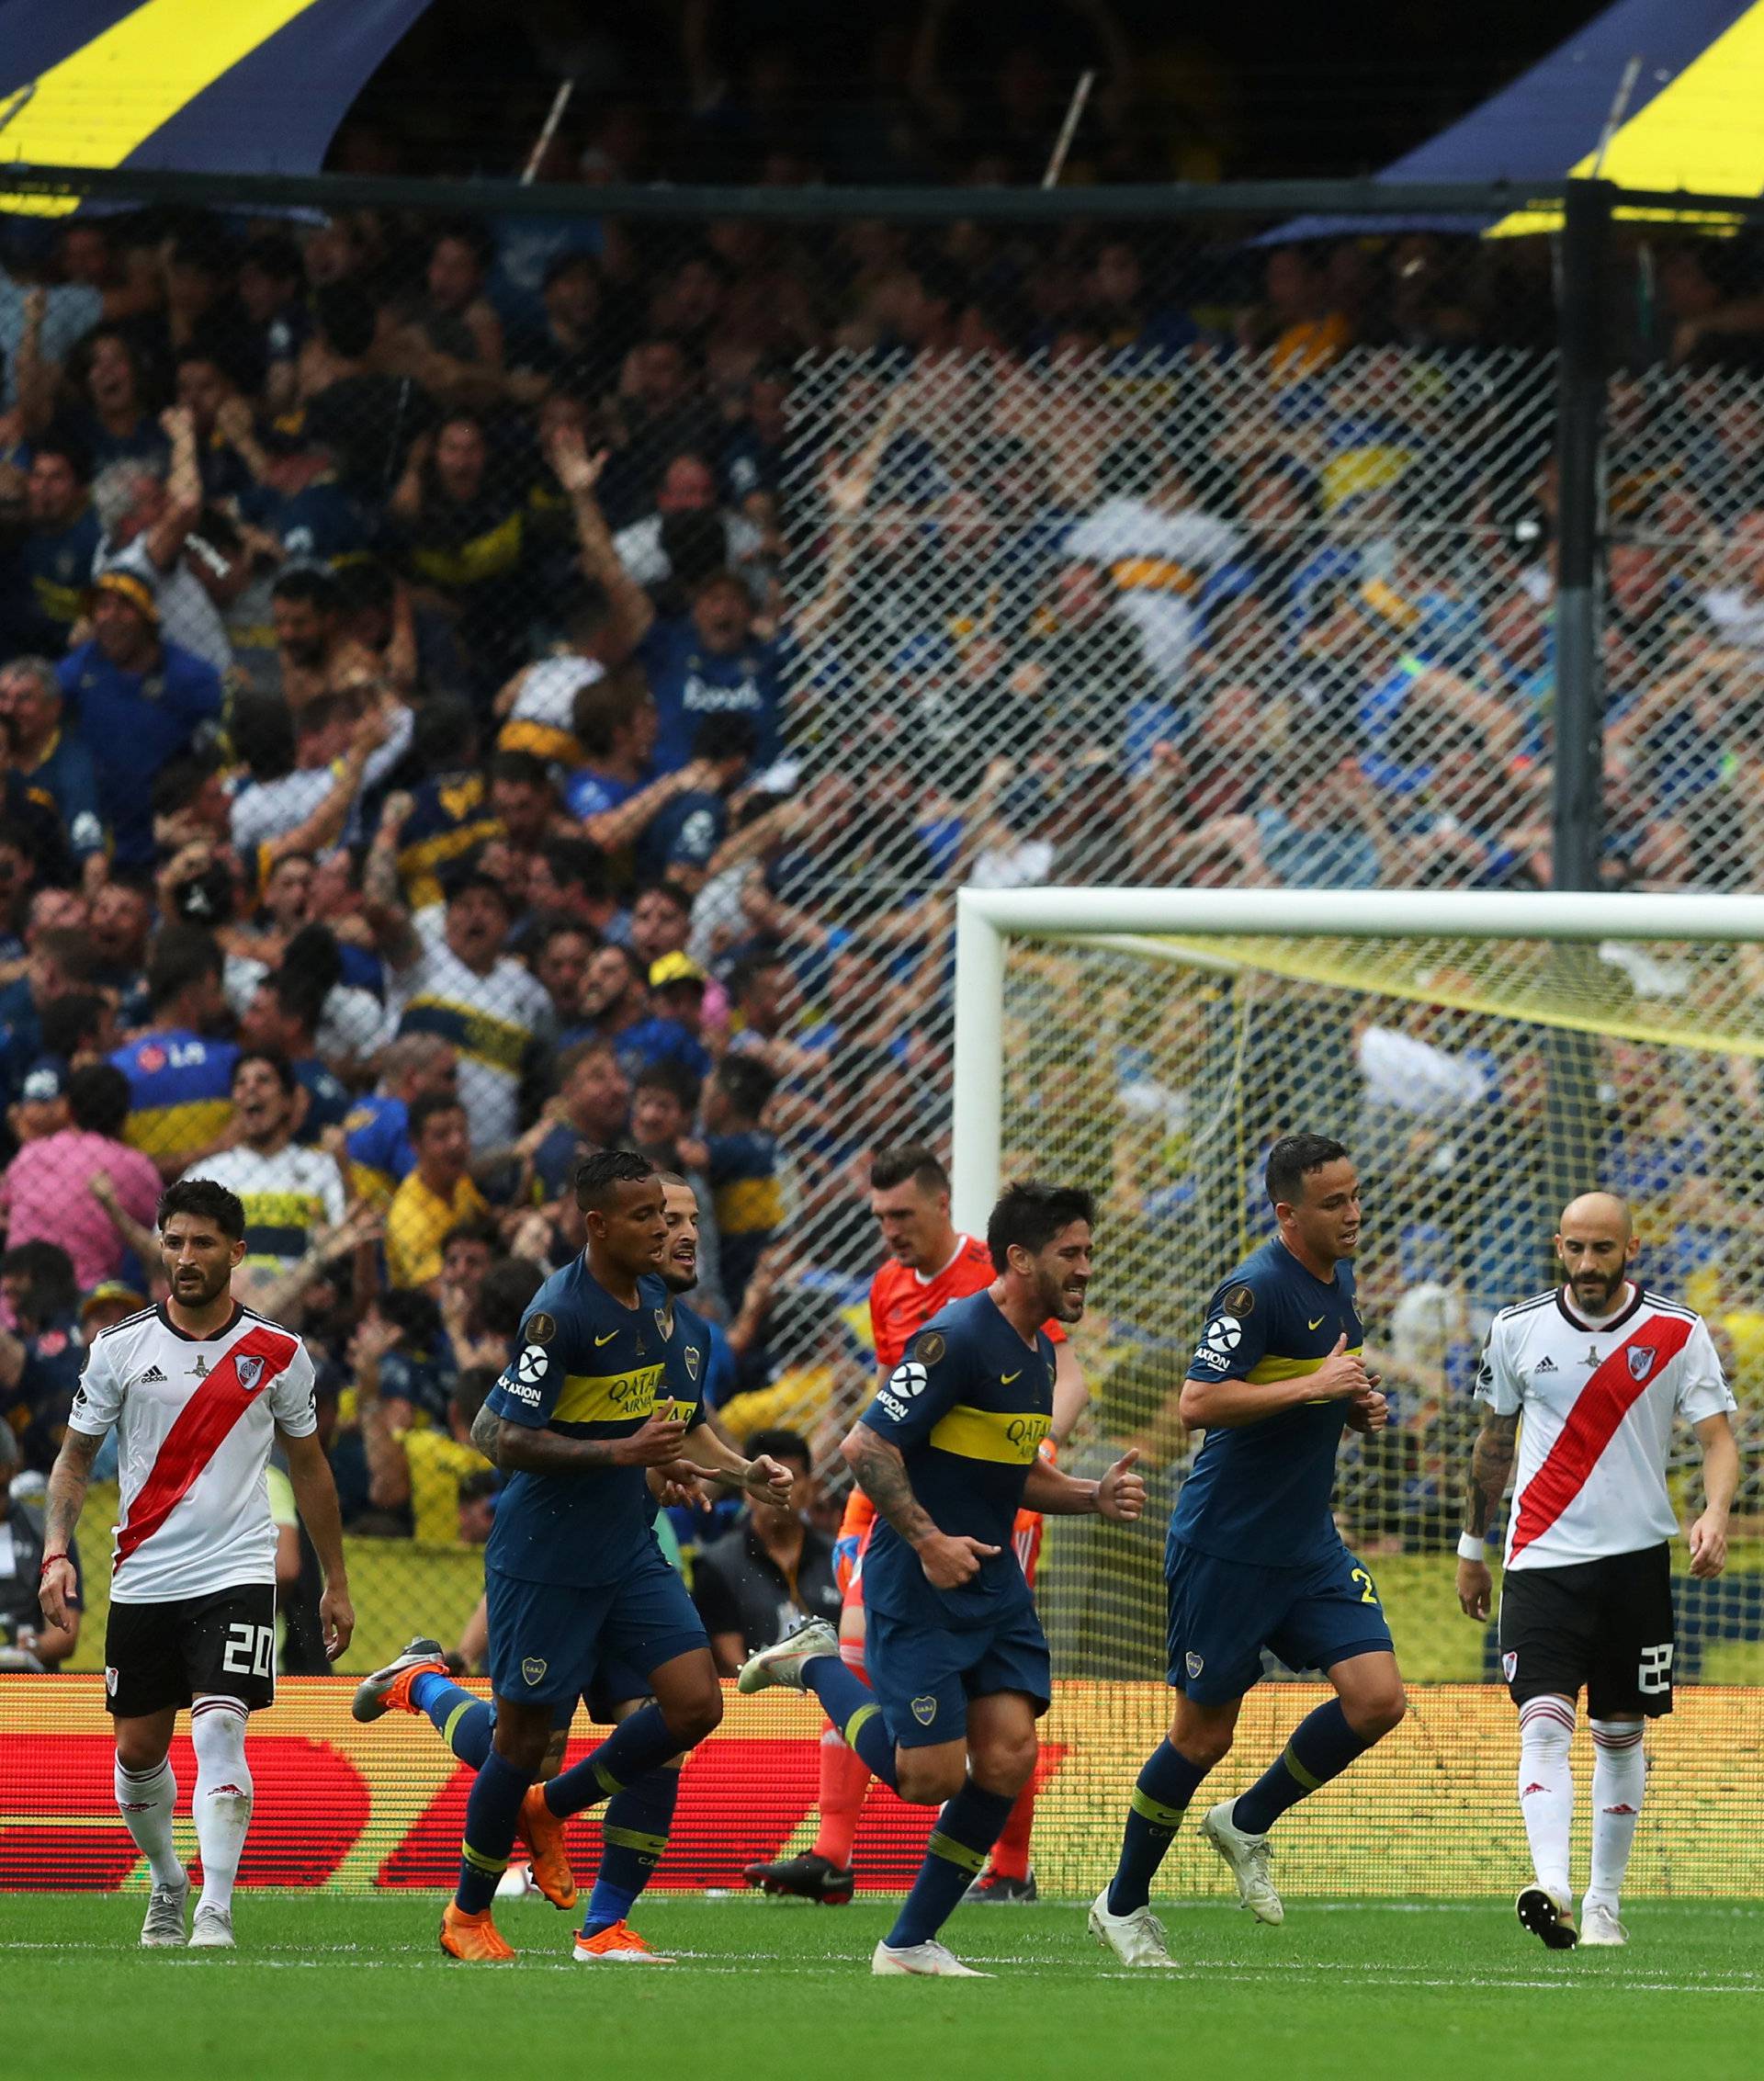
(638,1819)
(572,1573)
(948,1451)
(1253,1558)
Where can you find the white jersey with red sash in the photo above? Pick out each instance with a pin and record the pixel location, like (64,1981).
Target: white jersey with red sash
(1597,1402)
(196,1418)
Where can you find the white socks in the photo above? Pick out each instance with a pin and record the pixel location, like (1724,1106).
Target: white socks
(1546,1788)
(1619,1781)
(146,1799)
(222,1801)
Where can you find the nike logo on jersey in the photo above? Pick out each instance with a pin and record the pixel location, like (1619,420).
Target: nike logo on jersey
(605,1339)
(1309,1325)
(1006,1378)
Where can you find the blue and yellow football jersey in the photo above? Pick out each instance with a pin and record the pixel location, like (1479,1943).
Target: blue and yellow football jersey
(376,1140)
(451,816)
(590,1367)
(1260,1492)
(180,1091)
(968,1407)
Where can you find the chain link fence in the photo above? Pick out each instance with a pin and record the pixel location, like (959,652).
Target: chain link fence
(568,659)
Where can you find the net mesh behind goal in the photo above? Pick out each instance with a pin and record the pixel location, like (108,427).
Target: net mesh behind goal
(1478,1085)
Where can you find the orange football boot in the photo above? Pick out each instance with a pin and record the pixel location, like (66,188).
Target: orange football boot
(617,1944)
(473,1939)
(543,1834)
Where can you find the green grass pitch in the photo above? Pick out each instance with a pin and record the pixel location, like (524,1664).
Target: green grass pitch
(324,1987)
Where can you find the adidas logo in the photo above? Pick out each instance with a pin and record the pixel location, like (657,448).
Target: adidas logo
(1545,1365)
(152,1377)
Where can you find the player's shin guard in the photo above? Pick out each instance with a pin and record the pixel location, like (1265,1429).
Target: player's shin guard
(966,1828)
(1546,1788)
(1321,1747)
(635,1747)
(222,1803)
(634,1836)
(465,1721)
(845,1779)
(493,1815)
(1619,1782)
(1161,1798)
(851,1705)
(146,1799)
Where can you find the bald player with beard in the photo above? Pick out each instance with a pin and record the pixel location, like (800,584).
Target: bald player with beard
(1599,1369)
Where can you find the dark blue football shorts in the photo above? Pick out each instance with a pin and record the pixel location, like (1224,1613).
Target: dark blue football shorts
(925,1676)
(1222,1613)
(550,1642)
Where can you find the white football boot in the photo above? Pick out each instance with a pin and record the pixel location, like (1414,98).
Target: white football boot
(213,1929)
(1548,1915)
(931,1960)
(782,1665)
(1598,1925)
(1139,1939)
(165,1923)
(1248,1857)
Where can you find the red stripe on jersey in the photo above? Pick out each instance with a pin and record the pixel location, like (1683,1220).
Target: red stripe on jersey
(1612,1391)
(201,1426)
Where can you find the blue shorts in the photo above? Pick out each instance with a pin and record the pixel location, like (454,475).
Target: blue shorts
(615,1683)
(1223,1613)
(925,1676)
(550,1641)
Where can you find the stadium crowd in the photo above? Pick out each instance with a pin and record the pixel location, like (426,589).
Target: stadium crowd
(471,694)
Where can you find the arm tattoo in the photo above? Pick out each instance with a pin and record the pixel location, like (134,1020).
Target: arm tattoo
(882,1476)
(66,1490)
(520,1450)
(486,1435)
(1491,1467)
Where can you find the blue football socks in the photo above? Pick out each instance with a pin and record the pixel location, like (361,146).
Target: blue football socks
(1321,1747)
(463,1720)
(493,1815)
(955,1857)
(635,1747)
(851,1705)
(1161,1798)
(634,1834)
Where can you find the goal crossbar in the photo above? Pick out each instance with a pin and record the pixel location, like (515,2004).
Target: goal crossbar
(985,919)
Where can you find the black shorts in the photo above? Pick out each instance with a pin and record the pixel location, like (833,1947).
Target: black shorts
(221,1645)
(1605,1624)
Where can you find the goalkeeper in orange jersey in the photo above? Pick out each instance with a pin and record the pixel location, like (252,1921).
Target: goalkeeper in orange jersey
(930,1263)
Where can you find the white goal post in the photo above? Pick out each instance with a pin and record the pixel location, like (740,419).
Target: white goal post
(1143,920)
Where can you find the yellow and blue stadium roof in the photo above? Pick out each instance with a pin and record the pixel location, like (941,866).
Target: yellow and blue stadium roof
(1693,118)
(234,86)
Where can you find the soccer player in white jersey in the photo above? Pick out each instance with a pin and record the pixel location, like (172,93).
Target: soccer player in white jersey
(1599,1369)
(199,1388)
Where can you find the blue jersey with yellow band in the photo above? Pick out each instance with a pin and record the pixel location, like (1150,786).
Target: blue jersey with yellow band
(180,1091)
(590,1367)
(375,1133)
(450,816)
(1260,1492)
(967,1407)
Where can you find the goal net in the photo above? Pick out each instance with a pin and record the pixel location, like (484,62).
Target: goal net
(1485,1058)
